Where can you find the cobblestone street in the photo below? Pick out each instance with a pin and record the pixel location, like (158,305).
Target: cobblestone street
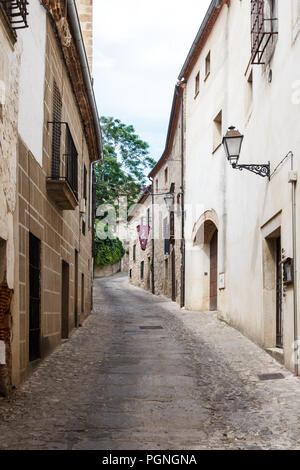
(143,374)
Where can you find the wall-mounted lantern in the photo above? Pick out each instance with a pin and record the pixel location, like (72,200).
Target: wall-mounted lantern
(232,142)
(169,200)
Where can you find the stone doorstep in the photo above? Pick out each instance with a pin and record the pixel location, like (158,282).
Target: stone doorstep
(277,354)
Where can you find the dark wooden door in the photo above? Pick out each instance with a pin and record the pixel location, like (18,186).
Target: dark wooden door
(279,328)
(65,300)
(214,272)
(34,297)
(76,290)
(173,277)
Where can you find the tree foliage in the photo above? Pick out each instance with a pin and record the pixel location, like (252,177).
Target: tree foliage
(126,160)
(108,251)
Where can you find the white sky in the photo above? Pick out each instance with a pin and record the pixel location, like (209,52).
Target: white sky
(139,49)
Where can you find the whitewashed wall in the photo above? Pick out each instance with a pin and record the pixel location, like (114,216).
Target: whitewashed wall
(32,79)
(245,204)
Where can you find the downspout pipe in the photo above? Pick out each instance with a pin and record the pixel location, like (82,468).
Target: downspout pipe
(152,231)
(77,36)
(295,293)
(181,90)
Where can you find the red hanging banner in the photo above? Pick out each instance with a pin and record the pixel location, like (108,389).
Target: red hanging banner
(143,231)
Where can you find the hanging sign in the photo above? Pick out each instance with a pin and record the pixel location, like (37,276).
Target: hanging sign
(143,231)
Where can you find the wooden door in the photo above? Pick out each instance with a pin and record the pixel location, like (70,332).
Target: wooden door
(65,300)
(173,277)
(34,297)
(279,326)
(214,272)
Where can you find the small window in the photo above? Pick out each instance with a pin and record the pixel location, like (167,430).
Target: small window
(142,269)
(249,91)
(207,65)
(217,131)
(166,175)
(270,12)
(134,252)
(130,273)
(197,84)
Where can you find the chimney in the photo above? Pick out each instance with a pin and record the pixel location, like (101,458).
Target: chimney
(85,12)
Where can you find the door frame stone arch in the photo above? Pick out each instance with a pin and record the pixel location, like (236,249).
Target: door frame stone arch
(203,232)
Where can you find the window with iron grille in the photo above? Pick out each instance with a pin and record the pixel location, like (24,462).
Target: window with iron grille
(65,168)
(264,28)
(84,197)
(71,163)
(56,131)
(16,12)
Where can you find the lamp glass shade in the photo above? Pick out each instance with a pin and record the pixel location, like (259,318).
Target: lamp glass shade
(233,143)
(169,200)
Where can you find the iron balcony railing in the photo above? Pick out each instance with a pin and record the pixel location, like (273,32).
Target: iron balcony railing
(264,25)
(64,167)
(16,11)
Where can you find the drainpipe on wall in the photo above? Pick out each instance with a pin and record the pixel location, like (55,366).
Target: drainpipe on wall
(293,180)
(152,231)
(182,290)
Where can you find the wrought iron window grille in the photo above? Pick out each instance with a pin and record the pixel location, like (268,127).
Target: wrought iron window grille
(263,29)
(67,168)
(16,12)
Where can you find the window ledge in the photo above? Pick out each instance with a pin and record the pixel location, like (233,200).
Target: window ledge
(207,76)
(216,148)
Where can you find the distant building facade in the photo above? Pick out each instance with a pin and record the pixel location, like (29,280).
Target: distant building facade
(139,257)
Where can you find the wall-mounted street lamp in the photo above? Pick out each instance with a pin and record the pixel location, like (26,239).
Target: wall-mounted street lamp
(169,200)
(232,142)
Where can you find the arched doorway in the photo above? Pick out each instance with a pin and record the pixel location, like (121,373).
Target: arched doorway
(205,237)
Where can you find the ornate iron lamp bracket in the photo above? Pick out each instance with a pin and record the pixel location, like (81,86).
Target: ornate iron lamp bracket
(261,170)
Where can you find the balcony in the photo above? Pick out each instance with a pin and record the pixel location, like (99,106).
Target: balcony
(16,12)
(264,28)
(62,185)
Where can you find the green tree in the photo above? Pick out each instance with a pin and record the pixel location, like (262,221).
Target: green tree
(126,161)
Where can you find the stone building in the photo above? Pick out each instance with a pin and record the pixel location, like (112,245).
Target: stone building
(58,138)
(240,240)
(159,267)
(139,260)
(166,182)
(10,53)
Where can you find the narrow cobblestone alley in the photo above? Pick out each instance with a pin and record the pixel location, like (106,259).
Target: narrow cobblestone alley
(143,374)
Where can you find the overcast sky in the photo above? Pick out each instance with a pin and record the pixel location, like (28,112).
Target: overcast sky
(139,49)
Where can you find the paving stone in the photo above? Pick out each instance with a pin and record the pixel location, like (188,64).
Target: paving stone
(193,385)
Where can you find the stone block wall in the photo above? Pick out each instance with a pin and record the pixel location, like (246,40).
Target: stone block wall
(85,11)
(9,94)
(60,232)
